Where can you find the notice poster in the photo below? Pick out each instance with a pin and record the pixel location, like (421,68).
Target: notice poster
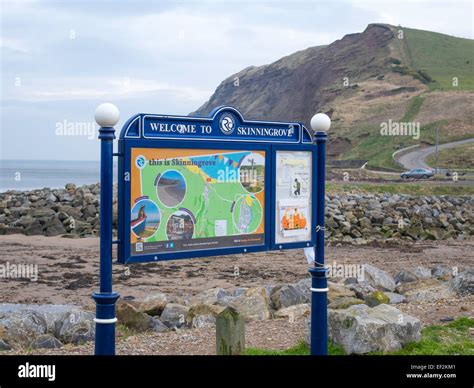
(192,199)
(293,196)
(293,218)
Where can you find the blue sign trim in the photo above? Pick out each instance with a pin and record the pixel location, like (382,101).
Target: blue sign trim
(132,136)
(224,124)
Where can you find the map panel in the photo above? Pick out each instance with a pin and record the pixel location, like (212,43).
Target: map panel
(192,199)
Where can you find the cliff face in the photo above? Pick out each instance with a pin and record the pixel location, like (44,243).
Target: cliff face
(297,86)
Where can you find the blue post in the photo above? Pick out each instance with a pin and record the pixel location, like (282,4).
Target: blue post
(105,299)
(319,285)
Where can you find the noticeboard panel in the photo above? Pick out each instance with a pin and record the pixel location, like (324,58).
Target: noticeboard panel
(293,192)
(196,199)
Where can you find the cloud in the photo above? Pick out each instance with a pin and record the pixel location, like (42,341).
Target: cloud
(15,45)
(453,17)
(165,57)
(86,88)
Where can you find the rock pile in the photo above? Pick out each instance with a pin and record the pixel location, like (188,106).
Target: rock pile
(44,326)
(362,218)
(362,312)
(352,218)
(70,211)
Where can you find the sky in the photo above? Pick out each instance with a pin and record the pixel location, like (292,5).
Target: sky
(61,59)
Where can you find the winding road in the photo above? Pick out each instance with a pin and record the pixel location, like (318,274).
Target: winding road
(417,157)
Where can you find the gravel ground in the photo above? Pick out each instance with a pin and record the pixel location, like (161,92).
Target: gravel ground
(68,270)
(271,334)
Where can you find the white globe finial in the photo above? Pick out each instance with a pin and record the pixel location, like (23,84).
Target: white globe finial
(107,115)
(320,122)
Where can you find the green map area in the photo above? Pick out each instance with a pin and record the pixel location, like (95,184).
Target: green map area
(201,196)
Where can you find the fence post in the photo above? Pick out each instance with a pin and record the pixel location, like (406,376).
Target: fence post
(230,333)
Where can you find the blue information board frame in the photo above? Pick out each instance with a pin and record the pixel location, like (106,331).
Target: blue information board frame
(256,135)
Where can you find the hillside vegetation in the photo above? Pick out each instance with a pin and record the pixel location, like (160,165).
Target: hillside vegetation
(442,57)
(365,80)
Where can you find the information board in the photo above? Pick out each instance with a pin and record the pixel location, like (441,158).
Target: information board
(195,199)
(217,185)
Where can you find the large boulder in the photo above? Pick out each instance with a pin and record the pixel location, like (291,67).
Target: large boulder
(337,290)
(360,329)
(209,297)
(251,303)
(287,295)
(361,289)
(153,304)
(463,284)
(395,298)
(22,327)
(203,315)
(52,313)
(295,312)
(375,298)
(422,272)
(405,276)
(429,293)
(130,316)
(36,325)
(344,302)
(76,327)
(378,278)
(442,272)
(54,227)
(421,283)
(174,315)
(46,341)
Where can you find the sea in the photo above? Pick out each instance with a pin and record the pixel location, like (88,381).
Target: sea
(37,174)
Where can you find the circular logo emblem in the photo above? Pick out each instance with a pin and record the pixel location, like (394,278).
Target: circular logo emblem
(140,161)
(227,124)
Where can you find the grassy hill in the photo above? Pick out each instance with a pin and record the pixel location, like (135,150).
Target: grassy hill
(442,57)
(430,59)
(363,81)
(458,158)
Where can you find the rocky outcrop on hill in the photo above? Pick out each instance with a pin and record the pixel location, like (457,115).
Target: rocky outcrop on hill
(295,87)
(350,218)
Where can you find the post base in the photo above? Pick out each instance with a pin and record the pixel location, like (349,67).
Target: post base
(319,311)
(105,323)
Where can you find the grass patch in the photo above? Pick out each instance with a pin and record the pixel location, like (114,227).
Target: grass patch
(441,57)
(378,149)
(298,350)
(435,59)
(457,158)
(124,332)
(398,188)
(413,108)
(450,339)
